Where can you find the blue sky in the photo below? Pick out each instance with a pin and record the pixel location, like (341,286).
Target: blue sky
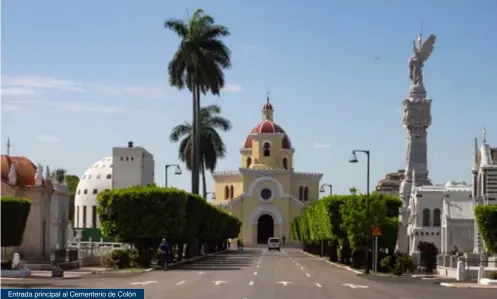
(79,77)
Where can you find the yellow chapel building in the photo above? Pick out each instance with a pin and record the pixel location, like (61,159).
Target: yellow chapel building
(266,193)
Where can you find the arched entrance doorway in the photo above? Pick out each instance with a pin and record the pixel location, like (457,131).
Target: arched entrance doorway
(265,228)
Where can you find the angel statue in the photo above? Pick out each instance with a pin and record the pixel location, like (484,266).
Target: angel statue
(421,53)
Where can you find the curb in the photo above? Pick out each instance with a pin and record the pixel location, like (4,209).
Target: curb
(447,285)
(332,263)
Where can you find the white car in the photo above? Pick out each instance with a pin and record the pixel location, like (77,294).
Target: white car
(273,243)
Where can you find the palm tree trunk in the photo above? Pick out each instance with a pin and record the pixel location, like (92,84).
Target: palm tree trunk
(196,138)
(195,147)
(204,185)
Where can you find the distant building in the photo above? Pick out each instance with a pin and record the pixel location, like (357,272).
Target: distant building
(442,215)
(47,223)
(390,185)
(484,189)
(128,166)
(266,193)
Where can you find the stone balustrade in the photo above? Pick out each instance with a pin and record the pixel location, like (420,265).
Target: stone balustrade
(92,248)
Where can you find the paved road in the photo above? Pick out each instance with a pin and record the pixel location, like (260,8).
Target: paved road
(258,274)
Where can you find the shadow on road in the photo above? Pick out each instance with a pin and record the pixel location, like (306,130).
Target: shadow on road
(225,261)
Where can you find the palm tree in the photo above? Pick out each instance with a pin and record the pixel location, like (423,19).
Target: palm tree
(198,64)
(211,144)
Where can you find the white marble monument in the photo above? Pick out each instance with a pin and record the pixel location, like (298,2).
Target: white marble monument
(416,119)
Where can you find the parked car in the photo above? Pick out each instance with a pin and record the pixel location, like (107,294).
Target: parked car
(274,243)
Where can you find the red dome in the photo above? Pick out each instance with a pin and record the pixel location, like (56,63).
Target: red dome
(268,106)
(268,127)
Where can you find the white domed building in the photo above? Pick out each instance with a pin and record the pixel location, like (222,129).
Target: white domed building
(97,178)
(128,166)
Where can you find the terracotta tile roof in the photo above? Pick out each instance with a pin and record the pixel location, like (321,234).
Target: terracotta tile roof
(268,127)
(25,169)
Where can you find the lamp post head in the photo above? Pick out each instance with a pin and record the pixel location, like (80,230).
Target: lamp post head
(321,189)
(353,157)
(178,170)
(213,196)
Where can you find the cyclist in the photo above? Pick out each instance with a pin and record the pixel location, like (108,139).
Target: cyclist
(163,251)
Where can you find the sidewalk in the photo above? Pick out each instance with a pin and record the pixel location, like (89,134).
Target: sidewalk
(73,274)
(467,285)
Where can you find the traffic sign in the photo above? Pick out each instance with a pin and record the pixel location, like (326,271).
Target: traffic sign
(376,231)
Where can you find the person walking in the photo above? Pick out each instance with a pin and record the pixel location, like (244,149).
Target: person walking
(163,252)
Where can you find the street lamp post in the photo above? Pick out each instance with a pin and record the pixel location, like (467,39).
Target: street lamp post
(353,159)
(177,171)
(321,189)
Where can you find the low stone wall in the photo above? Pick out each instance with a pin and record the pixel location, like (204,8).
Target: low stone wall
(93,261)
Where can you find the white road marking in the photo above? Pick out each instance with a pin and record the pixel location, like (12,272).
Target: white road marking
(200,273)
(298,264)
(308,275)
(285,283)
(180,282)
(355,286)
(257,266)
(255,273)
(251,283)
(218,282)
(318,285)
(144,282)
(301,268)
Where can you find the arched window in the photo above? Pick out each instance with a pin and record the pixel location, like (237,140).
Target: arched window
(437,217)
(267,149)
(249,162)
(426,217)
(301,193)
(285,163)
(306,193)
(232,191)
(226,192)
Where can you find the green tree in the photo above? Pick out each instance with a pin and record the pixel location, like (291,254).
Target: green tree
(60,175)
(199,64)
(486,220)
(14,212)
(144,215)
(212,146)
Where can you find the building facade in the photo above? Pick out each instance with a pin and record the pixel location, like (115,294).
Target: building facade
(390,185)
(266,193)
(484,181)
(442,215)
(128,166)
(47,220)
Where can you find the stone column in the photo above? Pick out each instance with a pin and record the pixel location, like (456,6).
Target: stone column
(416,119)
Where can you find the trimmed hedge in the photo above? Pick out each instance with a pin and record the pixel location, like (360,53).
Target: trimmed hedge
(486,219)
(15,212)
(143,216)
(342,218)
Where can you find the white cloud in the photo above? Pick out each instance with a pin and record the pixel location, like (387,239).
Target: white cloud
(232,88)
(18,91)
(94,108)
(318,145)
(38,82)
(18,109)
(47,138)
(28,85)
